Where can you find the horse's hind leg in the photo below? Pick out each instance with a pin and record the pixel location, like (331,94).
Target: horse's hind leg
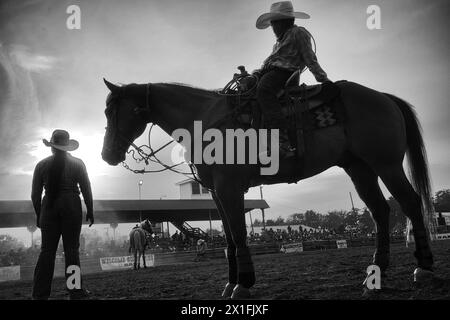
(139,259)
(136,262)
(143,258)
(395,180)
(366,184)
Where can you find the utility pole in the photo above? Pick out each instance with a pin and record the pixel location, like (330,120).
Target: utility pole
(251,222)
(210,225)
(262,210)
(351,199)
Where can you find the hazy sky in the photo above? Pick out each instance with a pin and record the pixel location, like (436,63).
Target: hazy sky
(51,77)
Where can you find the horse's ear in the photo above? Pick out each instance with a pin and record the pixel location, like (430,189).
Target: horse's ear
(112,87)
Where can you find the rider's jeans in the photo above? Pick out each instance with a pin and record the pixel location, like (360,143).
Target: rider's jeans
(269,85)
(63,218)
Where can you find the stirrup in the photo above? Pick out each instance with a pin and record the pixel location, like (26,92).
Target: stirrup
(286,148)
(287,152)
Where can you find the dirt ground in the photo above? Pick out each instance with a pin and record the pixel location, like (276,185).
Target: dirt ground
(331,274)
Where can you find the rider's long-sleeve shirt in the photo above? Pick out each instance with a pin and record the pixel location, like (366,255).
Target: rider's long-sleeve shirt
(74,175)
(293,52)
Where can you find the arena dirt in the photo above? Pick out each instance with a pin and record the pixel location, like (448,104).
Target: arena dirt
(331,274)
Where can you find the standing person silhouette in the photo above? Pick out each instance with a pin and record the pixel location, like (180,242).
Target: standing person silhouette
(59,212)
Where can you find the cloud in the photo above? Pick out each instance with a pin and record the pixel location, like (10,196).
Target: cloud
(23,57)
(19,112)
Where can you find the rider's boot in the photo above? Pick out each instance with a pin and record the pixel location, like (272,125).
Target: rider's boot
(276,120)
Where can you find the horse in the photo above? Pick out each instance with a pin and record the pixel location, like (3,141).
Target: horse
(139,241)
(379,130)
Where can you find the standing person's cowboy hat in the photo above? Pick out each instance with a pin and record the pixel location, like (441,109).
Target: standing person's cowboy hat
(61,140)
(278,11)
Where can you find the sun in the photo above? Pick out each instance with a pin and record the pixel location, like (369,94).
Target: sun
(90,152)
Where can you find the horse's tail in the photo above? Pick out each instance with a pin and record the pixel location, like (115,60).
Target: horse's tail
(417,158)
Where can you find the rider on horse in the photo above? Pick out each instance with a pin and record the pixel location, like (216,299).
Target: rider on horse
(291,52)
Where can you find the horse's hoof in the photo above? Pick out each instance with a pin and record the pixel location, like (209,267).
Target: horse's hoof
(423,276)
(240,292)
(228,291)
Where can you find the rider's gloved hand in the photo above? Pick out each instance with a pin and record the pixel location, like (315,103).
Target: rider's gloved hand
(90,218)
(257,73)
(247,83)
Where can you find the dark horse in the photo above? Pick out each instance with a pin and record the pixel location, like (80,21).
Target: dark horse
(138,242)
(379,130)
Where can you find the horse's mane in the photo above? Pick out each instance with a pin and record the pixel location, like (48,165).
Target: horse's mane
(178,84)
(200,90)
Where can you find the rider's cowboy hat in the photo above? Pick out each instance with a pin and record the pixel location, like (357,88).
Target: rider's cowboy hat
(60,140)
(278,11)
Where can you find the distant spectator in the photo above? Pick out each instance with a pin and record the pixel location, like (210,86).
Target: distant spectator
(201,249)
(175,236)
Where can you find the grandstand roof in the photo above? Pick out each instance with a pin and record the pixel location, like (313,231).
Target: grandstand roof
(442,208)
(21,213)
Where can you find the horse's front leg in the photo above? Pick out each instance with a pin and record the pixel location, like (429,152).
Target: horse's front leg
(231,251)
(231,198)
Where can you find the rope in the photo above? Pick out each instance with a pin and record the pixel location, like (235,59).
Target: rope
(146,157)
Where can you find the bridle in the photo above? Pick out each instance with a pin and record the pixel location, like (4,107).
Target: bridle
(115,129)
(137,152)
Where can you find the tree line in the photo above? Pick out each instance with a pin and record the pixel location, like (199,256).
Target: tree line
(360,219)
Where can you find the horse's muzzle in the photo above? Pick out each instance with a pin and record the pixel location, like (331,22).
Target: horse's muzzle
(112,158)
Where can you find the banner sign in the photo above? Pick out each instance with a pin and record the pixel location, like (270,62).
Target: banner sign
(292,247)
(341,244)
(442,236)
(9,273)
(126,262)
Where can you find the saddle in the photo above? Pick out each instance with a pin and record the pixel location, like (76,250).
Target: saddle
(306,107)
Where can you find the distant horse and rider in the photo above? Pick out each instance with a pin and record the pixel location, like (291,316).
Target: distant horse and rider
(140,238)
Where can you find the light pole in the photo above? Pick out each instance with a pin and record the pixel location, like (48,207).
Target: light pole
(140,183)
(114,225)
(32,229)
(262,210)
